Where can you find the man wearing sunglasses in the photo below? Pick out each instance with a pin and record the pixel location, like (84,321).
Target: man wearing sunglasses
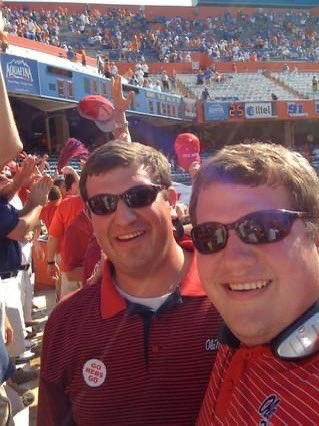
(255,215)
(137,347)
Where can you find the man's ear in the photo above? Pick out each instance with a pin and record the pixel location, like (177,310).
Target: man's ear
(172,196)
(87,211)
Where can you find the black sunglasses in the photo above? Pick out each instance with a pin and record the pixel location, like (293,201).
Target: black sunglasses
(135,197)
(261,227)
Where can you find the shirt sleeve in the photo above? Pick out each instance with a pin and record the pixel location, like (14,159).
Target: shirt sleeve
(56,228)
(54,406)
(9,219)
(73,250)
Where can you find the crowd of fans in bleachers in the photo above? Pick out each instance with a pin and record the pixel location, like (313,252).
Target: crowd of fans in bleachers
(265,35)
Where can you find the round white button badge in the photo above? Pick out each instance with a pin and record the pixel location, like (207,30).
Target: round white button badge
(94,372)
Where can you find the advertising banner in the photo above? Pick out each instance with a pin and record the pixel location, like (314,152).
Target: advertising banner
(188,109)
(21,74)
(215,111)
(258,110)
(296,109)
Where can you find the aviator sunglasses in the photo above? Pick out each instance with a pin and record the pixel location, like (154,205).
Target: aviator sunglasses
(135,197)
(260,227)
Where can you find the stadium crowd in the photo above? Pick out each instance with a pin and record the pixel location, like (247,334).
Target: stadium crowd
(265,35)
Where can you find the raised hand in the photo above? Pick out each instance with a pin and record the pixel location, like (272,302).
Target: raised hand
(121,103)
(39,191)
(25,172)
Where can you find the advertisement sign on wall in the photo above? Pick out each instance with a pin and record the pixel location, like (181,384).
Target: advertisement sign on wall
(259,110)
(215,111)
(188,109)
(21,74)
(296,109)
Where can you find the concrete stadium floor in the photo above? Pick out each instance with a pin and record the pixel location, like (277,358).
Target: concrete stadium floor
(45,301)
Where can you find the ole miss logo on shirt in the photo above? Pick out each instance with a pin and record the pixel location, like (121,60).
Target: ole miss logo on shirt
(267,409)
(211,344)
(94,372)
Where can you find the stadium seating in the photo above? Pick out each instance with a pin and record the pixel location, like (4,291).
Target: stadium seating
(243,87)
(301,82)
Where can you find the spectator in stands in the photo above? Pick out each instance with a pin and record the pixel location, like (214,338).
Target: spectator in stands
(255,211)
(205,95)
(99,63)
(157,86)
(173,81)
(208,75)
(286,68)
(148,292)
(165,81)
(83,57)
(70,53)
(107,68)
(200,78)
(145,69)
(114,70)
(43,164)
(139,75)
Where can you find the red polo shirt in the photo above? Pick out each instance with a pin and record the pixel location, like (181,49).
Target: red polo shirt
(250,386)
(94,370)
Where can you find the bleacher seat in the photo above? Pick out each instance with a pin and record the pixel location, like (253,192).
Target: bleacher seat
(243,87)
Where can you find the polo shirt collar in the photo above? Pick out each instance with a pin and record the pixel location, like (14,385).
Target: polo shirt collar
(112,302)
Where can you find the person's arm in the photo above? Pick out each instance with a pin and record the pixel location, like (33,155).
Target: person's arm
(121,104)
(10,142)
(52,250)
(29,215)
(193,169)
(8,331)
(22,175)
(75,274)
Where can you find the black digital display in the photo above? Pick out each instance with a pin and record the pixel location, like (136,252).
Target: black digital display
(59,71)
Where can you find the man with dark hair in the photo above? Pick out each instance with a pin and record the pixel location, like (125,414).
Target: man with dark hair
(135,348)
(60,183)
(255,211)
(71,181)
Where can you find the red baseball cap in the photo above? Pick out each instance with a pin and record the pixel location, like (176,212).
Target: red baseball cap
(187,148)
